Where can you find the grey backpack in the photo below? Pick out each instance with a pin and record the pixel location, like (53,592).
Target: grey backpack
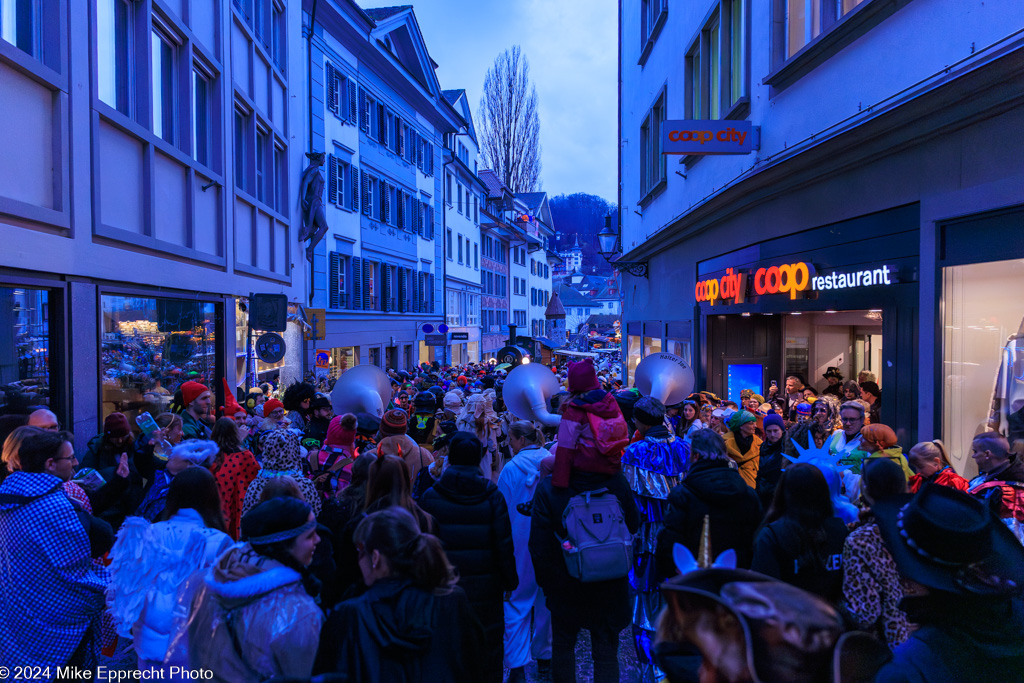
(597,544)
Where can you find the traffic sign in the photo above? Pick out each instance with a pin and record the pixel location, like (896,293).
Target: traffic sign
(323,359)
(270,347)
(317,318)
(442,328)
(427,328)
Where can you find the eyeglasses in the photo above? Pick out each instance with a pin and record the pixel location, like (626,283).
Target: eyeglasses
(852,419)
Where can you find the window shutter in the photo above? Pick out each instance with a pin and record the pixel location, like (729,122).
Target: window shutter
(385,286)
(351,102)
(334,269)
(430,222)
(353,200)
(367,274)
(386,190)
(330,79)
(401,289)
(357,283)
(382,124)
(366,192)
(430,293)
(332,179)
(364,112)
(401,127)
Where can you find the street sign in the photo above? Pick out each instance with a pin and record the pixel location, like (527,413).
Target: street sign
(427,328)
(442,328)
(435,339)
(270,347)
(317,318)
(460,336)
(268,312)
(323,359)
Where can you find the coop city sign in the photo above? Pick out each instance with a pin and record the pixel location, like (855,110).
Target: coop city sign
(792,279)
(709,137)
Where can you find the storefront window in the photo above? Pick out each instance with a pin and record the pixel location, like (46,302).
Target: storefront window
(651,345)
(983,355)
(25,373)
(680,348)
(343,358)
(150,347)
(632,357)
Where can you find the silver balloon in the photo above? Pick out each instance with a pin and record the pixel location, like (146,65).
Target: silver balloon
(664,376)
(526,392)
(362,389)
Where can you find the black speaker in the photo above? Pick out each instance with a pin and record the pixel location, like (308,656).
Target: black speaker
(268,312)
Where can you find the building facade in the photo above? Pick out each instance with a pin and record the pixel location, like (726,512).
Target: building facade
(149,184)
(379,114)
(496,236)
(464,193)
(878,223)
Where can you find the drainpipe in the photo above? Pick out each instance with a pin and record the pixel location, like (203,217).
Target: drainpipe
(444,243)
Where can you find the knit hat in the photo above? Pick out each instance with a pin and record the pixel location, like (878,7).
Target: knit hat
(880,435)
(272,405)
(582,377)
(465,449)
(394,422)
(649,411)
(230,403)
(462,380)
(740,418)
(192,390)
(803,408)
(116,425)
(774,419)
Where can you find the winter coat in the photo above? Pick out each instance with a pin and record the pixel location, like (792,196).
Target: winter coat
(315,433)
(895,454)
(947,476)
(518,482)
(234,474)
(400,633)
(598,604)
(473,523)
(872,588)
(118,498)
(769,471)
(252,620)
(967,639)
(713,488)
(747,461)
(572,453)
(191,428)
(784,550)
(281,457)
(150,566)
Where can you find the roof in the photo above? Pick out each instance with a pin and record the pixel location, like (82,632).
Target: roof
(495,188)
(555,308)
(602,320)
(532,199)
(608,292)
(570,297)
(452,95)
(379,13)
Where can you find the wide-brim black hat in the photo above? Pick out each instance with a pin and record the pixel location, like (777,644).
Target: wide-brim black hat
(833,372)
(789,634)
(949,541)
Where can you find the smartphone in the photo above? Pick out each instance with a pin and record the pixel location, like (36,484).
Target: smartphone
(774,383)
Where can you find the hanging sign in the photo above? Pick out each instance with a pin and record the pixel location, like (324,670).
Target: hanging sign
(323,359)
(270,347)
(709,137)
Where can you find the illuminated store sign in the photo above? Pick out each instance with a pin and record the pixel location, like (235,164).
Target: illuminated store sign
(791,279)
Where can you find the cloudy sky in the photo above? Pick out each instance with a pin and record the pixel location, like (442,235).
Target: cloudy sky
(571,45)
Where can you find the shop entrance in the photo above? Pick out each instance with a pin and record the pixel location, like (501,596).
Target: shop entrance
(753,350)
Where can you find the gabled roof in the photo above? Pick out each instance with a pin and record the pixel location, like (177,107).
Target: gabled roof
(537,204)
(495,188)
(602,320)
(379,13)
(460,103)
(452,95)
(532,200)
(570,297)
(555,308)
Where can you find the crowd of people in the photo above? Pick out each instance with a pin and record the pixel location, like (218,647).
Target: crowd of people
(778,537)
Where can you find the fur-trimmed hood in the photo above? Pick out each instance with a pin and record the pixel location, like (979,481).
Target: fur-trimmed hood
(242,576)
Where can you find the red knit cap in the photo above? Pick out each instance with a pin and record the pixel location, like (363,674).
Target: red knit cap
(394,422)
(116,425)
(462,380)
(582,377)
(270,406)
(192,390)
(230,403)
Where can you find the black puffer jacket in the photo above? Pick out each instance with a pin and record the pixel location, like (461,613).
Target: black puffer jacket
(713,488)
(474,527)
(769,471)
(591,605)
(785,550)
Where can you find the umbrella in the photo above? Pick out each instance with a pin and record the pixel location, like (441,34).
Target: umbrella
(503,366)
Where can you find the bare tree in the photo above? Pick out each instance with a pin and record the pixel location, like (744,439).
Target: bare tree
(510,126)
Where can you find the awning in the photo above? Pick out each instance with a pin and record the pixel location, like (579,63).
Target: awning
(579,354)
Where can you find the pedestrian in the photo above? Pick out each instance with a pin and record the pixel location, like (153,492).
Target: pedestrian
(119,496)
(452,406)
(282,456)
(413,624)
(870,392)
(234,468)
(393,439)
(196,400)
(931,464)
(297,400)
(478,417)
(871,583)
(330,465)
(801,539)
(518,483)
(772,460)
(423,422)
(473,525)
(320,414)
(1001,480)
(186,454)
(53,597)
(879,441)
(834,377)
(743,445)
(253,618)
(689,420)
(653,466)
(713,490)
(851,391)
(153,566)
(963,571)
(601,607)
(846,440)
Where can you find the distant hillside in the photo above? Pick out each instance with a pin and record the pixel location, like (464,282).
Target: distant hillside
(581,215)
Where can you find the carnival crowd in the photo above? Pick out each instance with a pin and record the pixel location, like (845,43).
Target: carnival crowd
(785,537)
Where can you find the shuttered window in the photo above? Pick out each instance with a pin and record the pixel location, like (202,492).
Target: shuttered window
(352,113)
(357,283)
(336,280)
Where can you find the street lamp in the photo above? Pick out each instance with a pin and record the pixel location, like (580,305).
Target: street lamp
(608,241)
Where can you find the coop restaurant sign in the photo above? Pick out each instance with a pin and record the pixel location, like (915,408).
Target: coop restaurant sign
(708,137)
(791,279)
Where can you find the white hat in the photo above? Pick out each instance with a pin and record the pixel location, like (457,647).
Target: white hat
(195,451)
